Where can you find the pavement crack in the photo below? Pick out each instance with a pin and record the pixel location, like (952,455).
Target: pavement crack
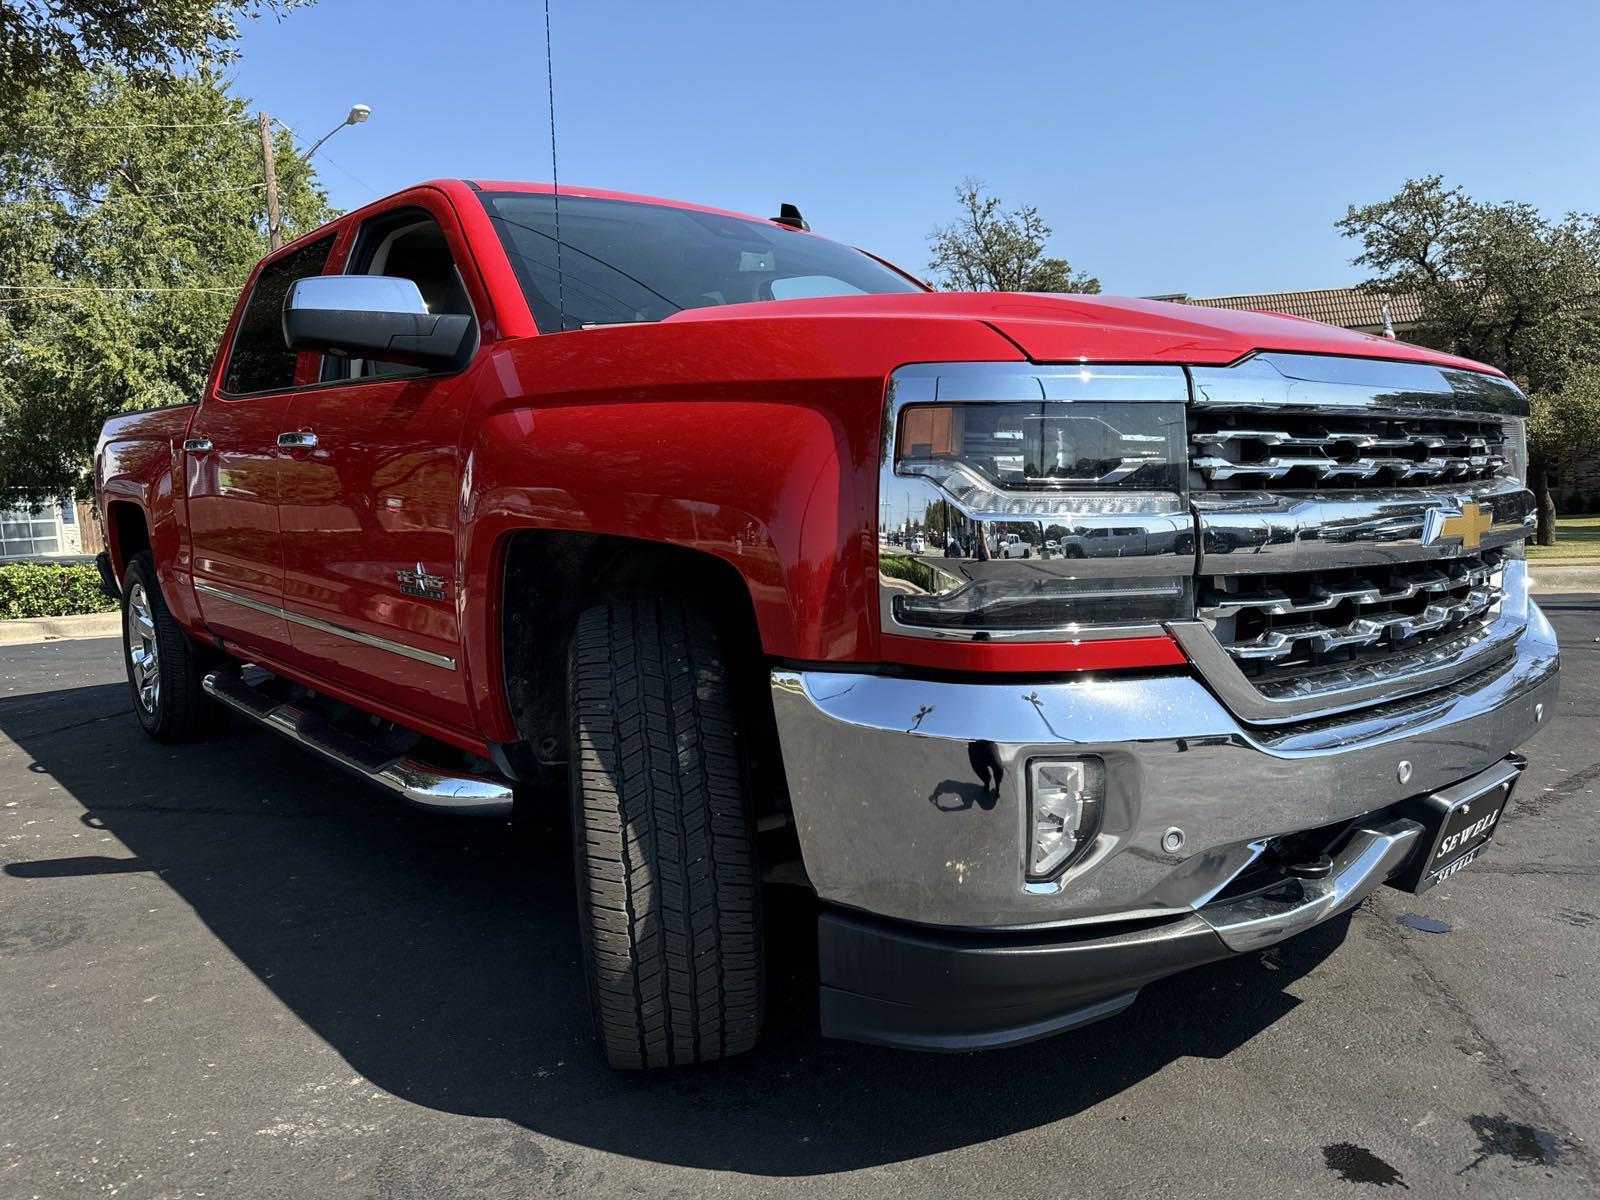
(1534,805)
(1496,1061)
(22,738)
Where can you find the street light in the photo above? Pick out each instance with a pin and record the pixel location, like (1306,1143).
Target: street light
(357,114)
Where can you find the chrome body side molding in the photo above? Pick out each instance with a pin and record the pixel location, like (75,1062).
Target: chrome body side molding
(443,661)
(418,783)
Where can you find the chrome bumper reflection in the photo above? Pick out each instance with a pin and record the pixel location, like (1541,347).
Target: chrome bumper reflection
(908,794)
(1372,855)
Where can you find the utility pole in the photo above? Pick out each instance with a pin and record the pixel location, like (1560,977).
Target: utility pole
(274,238)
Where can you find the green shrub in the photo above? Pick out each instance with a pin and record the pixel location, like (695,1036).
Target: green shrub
(30,589)
(903,566)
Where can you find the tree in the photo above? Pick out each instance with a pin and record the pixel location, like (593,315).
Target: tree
(1558,422)
(1502,284)
(147,39)
(122,249)
(992,249)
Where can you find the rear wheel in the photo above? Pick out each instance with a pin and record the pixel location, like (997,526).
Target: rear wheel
(668,894)
(164,665)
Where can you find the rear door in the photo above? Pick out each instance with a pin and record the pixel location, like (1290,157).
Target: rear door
(231,466)
(369,513)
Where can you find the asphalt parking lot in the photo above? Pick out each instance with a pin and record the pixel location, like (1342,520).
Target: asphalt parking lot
(226,970)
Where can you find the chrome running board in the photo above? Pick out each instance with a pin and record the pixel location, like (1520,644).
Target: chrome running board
(422,784)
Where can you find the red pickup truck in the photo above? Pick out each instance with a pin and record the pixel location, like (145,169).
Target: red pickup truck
(692,517)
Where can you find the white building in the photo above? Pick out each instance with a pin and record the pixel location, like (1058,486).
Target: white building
(50,531)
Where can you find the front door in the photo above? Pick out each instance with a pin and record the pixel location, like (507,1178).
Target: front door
(231,467)
(369,510)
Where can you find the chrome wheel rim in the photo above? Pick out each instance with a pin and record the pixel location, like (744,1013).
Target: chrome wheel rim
(144,656)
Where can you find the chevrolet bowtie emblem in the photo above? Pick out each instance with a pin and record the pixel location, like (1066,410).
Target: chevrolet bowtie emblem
(1466,525)
(420,583)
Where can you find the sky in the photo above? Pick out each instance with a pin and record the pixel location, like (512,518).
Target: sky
(1174,147)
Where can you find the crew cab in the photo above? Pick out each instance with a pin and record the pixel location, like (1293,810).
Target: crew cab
(503,499)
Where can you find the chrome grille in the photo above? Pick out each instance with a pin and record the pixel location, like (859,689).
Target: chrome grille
(1291,623)
(1290,450)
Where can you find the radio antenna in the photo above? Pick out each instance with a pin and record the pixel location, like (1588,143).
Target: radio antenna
(555,178)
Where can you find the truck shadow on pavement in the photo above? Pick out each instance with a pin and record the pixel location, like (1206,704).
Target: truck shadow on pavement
(440,959)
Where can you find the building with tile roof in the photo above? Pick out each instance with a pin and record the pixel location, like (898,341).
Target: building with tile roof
(1348,307)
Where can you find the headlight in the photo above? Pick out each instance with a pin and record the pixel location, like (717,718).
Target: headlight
(985,454)
(1516,449)
(1035,518)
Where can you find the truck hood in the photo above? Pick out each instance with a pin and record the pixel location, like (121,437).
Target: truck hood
(1072,328)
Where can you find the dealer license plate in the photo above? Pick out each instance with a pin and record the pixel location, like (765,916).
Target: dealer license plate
(1459,822)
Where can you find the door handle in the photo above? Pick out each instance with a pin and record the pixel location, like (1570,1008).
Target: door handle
(302,440)
(197,445)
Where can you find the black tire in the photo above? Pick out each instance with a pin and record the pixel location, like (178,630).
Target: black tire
(668,893)
(165,685)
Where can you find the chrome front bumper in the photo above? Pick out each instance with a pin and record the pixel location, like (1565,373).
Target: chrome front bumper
(894,818)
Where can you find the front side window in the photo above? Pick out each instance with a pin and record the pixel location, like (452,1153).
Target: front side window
(623,261)
(407,244)
(259,360)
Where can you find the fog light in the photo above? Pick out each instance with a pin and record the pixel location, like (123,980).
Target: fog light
(1065,798)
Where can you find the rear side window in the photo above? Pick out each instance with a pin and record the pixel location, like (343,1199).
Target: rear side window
(259,361)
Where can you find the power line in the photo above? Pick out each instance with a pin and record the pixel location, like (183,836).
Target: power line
(347,171)
(148,124)
(284,125)
(126,195)
(167,124)
(22,287)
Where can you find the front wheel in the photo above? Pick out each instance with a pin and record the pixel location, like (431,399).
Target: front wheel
(668,893)
(164,666)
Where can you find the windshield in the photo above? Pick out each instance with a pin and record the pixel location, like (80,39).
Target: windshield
(624,261)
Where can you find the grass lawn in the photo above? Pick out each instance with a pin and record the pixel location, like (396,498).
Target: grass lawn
(1576,537)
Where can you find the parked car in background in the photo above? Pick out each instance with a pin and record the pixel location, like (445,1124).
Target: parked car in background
(500,515)
(1011,545)
(1105,541)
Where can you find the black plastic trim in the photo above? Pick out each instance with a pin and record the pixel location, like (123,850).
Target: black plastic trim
(894,984)
(108,577)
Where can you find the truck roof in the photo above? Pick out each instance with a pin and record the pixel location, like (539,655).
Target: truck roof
(567,189)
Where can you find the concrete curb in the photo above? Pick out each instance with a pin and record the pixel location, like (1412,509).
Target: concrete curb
(50,629)
(1557,578)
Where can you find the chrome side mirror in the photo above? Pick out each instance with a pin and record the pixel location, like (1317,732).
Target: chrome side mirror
(371,316)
